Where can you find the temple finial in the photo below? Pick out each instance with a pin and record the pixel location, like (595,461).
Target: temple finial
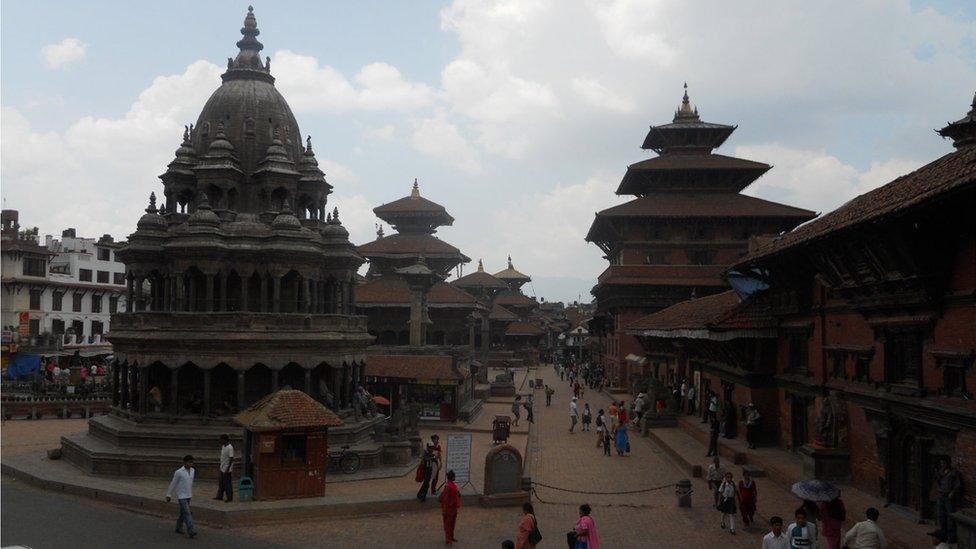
(415,193)
(335,215)
(686,111)
(308,143)
(481,267)
(510,261)
(151,209)
(379,231)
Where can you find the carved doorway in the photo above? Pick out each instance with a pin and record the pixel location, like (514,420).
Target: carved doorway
(799,430)
(911,474)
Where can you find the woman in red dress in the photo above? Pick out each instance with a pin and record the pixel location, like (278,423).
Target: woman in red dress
(747,498)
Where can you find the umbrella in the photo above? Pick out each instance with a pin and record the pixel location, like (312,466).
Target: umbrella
(382,401)
(815,490)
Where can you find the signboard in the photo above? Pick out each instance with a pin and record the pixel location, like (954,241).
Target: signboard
(24,328)
(266,444)
(459,457)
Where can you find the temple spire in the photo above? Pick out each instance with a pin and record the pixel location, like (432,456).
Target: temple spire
(510,261)
(248,63)
(685,111)
(481,267)
(415,193)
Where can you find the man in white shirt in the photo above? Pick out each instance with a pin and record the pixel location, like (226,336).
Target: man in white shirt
(866,534)
(802,535)
(225,484)
(182,487)
(573,415)
(776,539)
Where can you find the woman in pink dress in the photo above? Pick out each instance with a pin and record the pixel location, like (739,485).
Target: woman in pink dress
(747,498)
(586,536)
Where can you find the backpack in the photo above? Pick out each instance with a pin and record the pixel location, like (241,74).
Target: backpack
(535,536)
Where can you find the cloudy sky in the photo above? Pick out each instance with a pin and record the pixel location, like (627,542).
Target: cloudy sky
(519,116)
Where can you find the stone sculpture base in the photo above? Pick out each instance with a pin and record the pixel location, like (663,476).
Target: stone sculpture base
(826,463)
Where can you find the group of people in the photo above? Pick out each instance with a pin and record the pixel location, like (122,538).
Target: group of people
(529,405)
(55,373)
(586,374)
(182,486)
(583,535)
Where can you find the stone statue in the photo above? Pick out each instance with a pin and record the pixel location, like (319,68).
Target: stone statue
(827,431)
(411,414)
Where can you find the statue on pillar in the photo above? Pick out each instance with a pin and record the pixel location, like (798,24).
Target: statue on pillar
(832,422)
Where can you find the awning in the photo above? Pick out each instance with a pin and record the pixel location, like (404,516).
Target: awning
(634,359)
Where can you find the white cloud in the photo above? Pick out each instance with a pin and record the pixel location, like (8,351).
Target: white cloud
(313,88)
(438,138)
(356,214)
(336,172)
(816,180)
(64,52)
(598,95)
(383,133)
(636,28)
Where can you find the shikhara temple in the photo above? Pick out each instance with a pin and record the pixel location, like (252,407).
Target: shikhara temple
(242,282)
(687,223)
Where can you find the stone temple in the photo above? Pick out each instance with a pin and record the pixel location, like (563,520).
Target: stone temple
(241,283)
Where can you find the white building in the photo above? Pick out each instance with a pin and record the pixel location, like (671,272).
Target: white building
(60,295)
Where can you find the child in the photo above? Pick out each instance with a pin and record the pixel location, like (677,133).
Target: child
(606,442)
(601,423)
(587,416)
(727,497)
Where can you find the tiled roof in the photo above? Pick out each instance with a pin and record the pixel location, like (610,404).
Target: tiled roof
(479,279)
(393,290)
(522,328)
(951,172)
(413,244)
(686,205)
(663,275)
(502,314)
(412,367)
(287,409)
(697,162)
(717,312)
(515,298)
(409,204)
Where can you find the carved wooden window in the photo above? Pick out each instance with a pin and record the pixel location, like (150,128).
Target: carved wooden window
(798,353)
(34,266)
(954,377)
(655,258)
(35,299)
(838,364)
(862,368)
(903,356)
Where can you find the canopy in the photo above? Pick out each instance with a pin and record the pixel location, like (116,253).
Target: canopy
(22,365)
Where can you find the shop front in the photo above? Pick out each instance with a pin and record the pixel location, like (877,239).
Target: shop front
(433,382)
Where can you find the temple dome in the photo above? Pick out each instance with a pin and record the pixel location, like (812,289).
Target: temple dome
(249,106)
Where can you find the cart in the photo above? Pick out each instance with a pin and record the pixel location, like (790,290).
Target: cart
(500,429)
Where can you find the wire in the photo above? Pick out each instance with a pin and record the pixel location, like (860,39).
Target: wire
(588,492)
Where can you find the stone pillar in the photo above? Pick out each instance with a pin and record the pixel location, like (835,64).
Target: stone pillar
(308,382)
(166,293)
(134,397)
(178,290)
(209,298)
(174,389)
(350,298)
(223,291)
(263,305)
(416,316)
(143,391)
(116,384)
(313,295)
(336,386)
(207,374)
(276,306)
(240,390)
(305,303)
(192,295)
(345,386)
(245,282)
(130,292)
(331,291)
(140,298)
(124,390)
(274,380)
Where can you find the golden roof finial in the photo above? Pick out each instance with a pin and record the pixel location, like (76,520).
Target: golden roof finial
(415,193)
(510,261)
(481,267)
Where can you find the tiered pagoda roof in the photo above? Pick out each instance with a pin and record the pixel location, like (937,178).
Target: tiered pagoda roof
(480,280)
(414,213)
(513,276)
(393,291)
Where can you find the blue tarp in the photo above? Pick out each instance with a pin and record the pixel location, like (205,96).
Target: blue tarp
(23,365)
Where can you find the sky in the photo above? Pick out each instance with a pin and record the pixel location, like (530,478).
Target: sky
(520,117)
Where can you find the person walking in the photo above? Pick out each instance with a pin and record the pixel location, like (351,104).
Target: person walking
(549,392)
(425,471)
(613,413)
(225,485)
(752,425)
(573,415)
(639,404)
(747,499)
(866,534)
(802,534)
(435,449)
(601,424)
(948,485)
(713,438)
(607,441)
(714,477)
(450,500)
(712,406)
(622,417)
(528,525)
(623,440)
(585,529)
(776,538)
(517,409)
(728,496)
(692,394)
(182,487)
(832,516)
(587,417)
(529,405)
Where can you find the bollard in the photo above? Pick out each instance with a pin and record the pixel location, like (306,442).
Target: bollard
(683,490)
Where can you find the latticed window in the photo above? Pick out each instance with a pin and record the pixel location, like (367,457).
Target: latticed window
(862,368)
(903,356)
(954,377)
(799,353)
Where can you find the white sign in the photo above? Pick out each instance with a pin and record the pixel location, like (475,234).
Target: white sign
(459,457)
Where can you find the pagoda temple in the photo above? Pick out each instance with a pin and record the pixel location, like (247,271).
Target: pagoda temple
(418,319)
(687,223)
(240,284)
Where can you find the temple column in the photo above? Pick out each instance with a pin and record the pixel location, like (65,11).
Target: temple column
(244,298)
(322,297)
(223,291)
(124,390)
(116,384)
(143,391)
(274,381)
(134,399)
(206,392)
(240,390)
(308,382)
(336,387)
(276,305)
(178,290)
(130,292)
(313,304)
(263,306)
(174,389)
(140,298)
(306,295)
(167,293)
(345,386)
(209,298)
(192,297)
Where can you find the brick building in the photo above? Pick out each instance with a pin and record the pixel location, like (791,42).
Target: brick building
(855,334)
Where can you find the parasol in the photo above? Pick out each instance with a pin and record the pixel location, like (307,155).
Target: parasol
(815,490)
(382,401)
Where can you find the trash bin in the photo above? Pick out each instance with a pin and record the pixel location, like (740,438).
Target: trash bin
(245,489)
(683,490)
(500,428)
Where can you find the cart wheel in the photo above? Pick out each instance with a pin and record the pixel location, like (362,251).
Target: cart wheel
(349,463)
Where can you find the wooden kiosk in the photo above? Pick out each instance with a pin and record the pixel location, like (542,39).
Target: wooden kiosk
(285,444)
